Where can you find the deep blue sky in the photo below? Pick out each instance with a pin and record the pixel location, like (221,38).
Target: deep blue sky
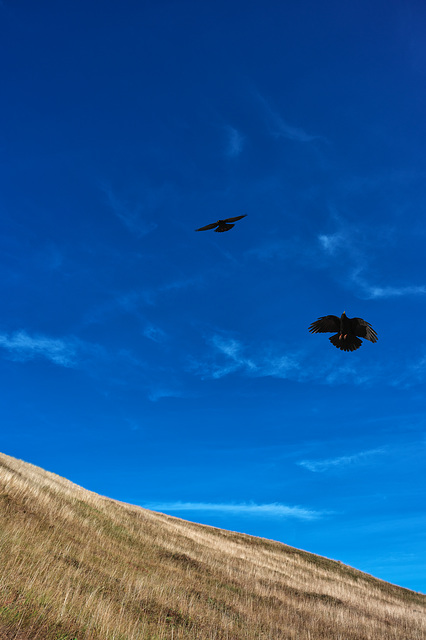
(174,369)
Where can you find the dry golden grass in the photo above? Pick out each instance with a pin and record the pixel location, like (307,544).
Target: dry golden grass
(76,565)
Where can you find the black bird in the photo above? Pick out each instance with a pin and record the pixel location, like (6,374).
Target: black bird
(222,225)
(347,331)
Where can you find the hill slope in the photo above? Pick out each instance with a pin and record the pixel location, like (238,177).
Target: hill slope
(76,565)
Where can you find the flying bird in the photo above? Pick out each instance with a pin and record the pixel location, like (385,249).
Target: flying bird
(222,225)
(348,330)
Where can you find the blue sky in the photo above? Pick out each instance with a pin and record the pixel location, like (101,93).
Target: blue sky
(174,369)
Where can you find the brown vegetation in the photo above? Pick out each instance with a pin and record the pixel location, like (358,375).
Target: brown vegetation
(76,565)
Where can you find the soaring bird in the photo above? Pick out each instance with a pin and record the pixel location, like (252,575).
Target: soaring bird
(347,331)
(222,225)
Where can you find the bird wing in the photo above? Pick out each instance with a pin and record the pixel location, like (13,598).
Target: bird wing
(235,219)
(324,324)
(208,226)
(363,329)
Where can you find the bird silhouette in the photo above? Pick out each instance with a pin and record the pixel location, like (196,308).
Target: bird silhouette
(222,225)
(348,330)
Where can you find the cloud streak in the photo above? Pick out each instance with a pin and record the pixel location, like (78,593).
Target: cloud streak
(332,242)
(271,510)
(228,356)
(163,392)
(153,333)
(320,466)
(353,247)
(280,128)
(130,217)
(132,301)
(70,352)
(235,142)
(414,373)
(372,292)
(23,347)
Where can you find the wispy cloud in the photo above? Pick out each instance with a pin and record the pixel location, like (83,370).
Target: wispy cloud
(393,292)
(132,301)
(22,347)
(132,216)
(280,128)
(319,466)
(348,241)
(69,352)
(333,242)
(233,351)
(154,333)
(353,246)
(272,510)
(371,291)
(228,356)
(163,392)
(235,142)
(414,373)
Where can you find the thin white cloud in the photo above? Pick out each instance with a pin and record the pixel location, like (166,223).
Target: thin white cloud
(280,128)
(392,292)
(353,246)
(148,296)
(154,333)
(163,392)
(233,350)
(319,466)
(132,301)
(227,356)
(414,373)
(332,242)
(272,510)
(183,283)
(131,216)
(69,352)
(348,241)
(371,292)
(22,347)
(235,142)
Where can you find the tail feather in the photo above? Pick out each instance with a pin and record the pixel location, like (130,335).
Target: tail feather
(350,343)
(224,227)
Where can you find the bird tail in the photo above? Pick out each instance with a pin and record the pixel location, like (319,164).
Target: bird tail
(225,227)
(350,343)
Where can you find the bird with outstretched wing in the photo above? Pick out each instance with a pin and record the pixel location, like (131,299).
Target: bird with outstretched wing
(222,225)
(349,330)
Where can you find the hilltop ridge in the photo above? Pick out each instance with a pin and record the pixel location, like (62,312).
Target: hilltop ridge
(80,566)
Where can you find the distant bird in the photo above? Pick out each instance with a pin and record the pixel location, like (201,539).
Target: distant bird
(347,331)
(222,225)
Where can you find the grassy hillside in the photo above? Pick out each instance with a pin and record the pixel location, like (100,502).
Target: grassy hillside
(76,565)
